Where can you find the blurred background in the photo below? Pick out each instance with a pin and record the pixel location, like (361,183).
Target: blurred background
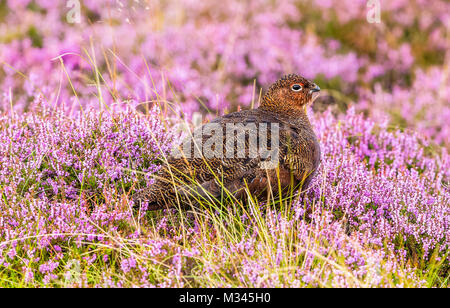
(388,59)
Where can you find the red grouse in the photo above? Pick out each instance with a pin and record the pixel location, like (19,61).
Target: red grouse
(281,115)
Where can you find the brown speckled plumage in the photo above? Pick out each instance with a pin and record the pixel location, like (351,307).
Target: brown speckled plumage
(299,153)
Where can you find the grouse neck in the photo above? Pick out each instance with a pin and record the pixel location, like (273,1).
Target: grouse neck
(291,114)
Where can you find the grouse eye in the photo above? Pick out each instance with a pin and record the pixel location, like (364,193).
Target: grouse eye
(296,87)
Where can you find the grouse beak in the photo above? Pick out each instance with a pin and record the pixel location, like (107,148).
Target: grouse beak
(314,92)
(316,89)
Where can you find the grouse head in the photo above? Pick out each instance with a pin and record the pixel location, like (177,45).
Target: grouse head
(289,93)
